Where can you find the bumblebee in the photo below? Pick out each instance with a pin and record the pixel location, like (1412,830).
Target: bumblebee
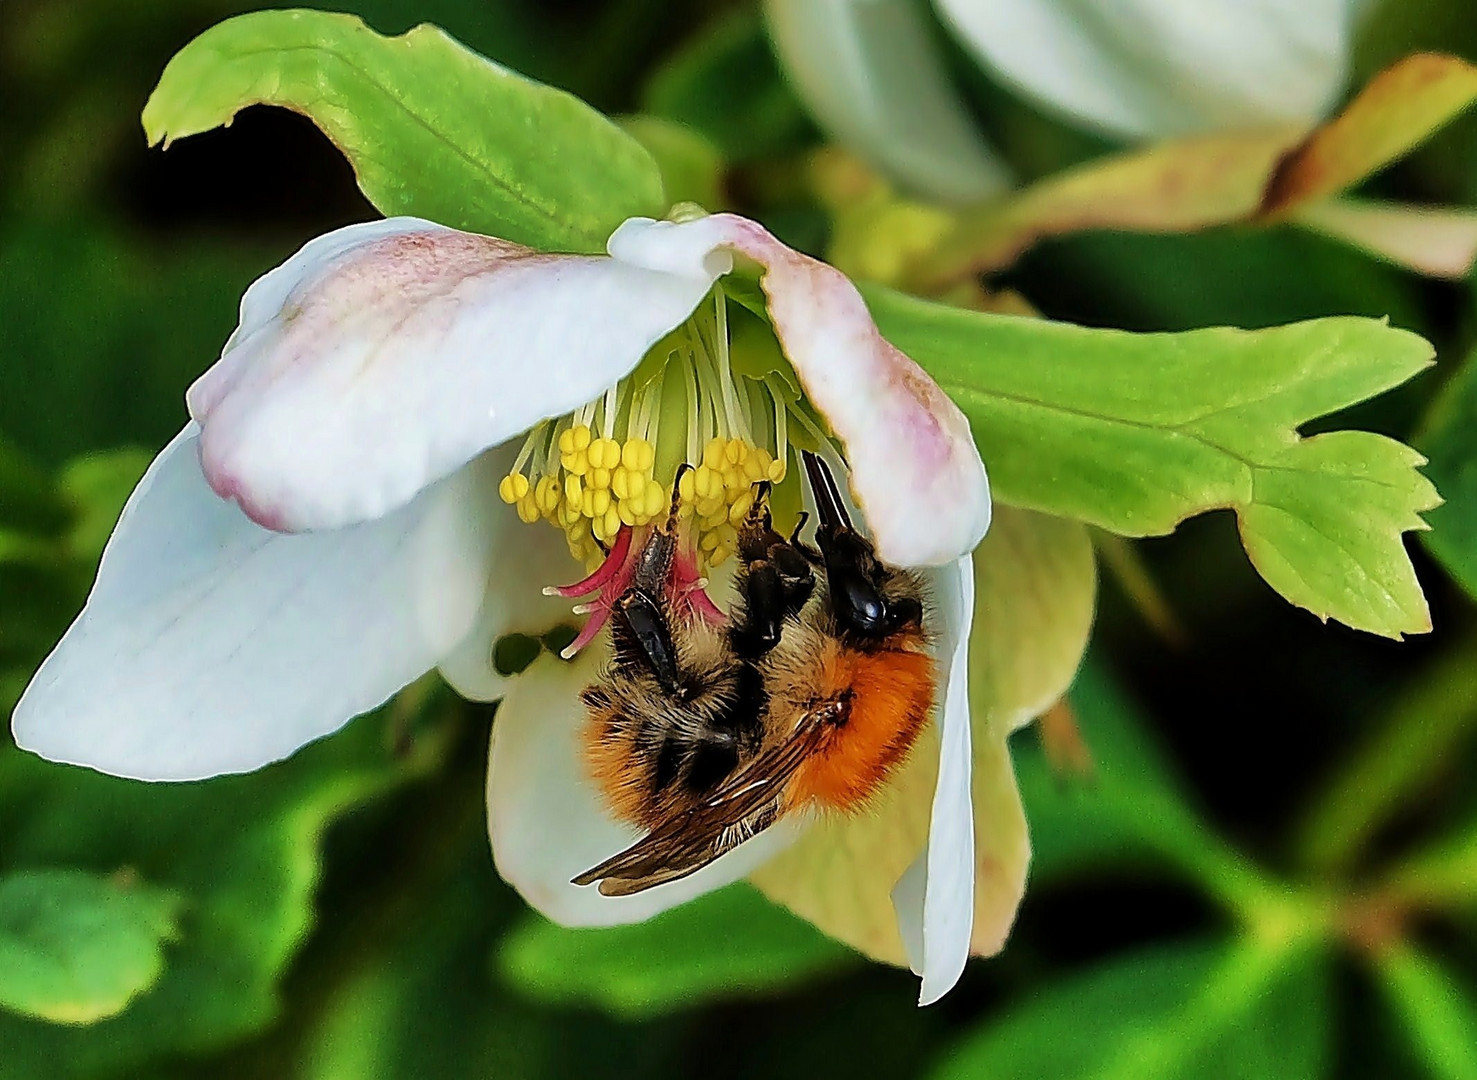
(806,697)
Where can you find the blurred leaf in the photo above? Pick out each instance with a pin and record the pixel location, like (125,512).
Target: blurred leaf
(28,498)
(74,947)
(728,943)
(1136,432)
(1437,241)
(97,486)
(1412,739)
(1035,587)
(1438,1011)
(421,1002)
(431,128)
(244,850)
(726,84)
(100,336)
(1175,186)
(1449,440)
(1132,808)
(1178,1012)
(1251,278)
(1198,182)
(691,167)
(1396,112)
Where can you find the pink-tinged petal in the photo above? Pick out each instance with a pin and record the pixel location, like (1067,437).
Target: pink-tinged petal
(1149,69)
(872,74)
(210,645)
(937,918)
(547,821)
(914,468)
(384,356)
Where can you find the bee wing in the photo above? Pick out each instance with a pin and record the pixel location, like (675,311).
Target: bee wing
(743,805)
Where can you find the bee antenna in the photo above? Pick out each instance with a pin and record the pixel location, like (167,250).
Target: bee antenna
(682,470)
(828,502)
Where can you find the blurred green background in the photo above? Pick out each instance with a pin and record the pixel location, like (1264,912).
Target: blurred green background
(1271,870)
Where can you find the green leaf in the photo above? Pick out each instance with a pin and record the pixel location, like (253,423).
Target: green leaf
(1178,1012)
(75,948)
(1438,1011)
(732,942)
(244,850)
(1449,439)
(430,127)
(1136,432)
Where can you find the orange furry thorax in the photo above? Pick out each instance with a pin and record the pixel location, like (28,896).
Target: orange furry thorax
(890,693)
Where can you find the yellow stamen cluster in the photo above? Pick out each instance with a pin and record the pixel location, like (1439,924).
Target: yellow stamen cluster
(598,485)
(601,484)
(720,491)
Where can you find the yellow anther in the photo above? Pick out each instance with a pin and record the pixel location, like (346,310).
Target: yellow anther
(599,477)
(719,555)
(546,494)
(599,502)
(605,453)
(629,513)
(735,450)
(579,437)
(687,486)
(653,499)
(706,484)
(513,487)
(740,507)
(587,503)
(756,466)
(573,489)
(709,541)
(528,511)
(609,524)
(713,453)
(620,482)
(776,471)
(734,480)
(638,455)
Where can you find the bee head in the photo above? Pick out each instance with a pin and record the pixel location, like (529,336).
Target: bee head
(856,579)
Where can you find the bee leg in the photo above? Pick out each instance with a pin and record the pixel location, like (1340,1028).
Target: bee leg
(642,636)
(773,585)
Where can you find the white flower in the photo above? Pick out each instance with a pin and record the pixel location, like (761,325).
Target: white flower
(364,490)
(1134,69)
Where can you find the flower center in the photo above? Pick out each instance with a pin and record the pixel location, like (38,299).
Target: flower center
(612,462)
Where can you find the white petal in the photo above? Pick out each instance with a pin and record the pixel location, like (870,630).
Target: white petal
(1157,68)
(210,645)
(384,356)
(547,821)
(936,921)
(528,558)
(914,467)
(872,75)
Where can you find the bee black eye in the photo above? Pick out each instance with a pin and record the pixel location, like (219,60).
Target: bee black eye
(857,603)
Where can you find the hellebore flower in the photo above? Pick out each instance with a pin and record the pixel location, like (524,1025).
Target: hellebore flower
(1135,69)
(366,488)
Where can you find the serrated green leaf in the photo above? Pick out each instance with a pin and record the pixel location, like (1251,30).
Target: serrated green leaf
(1437,1011)
(732,942)
(75,947)
(1136,432)
(1449,439)
(430,127)
(1190,1011)
(244,850)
